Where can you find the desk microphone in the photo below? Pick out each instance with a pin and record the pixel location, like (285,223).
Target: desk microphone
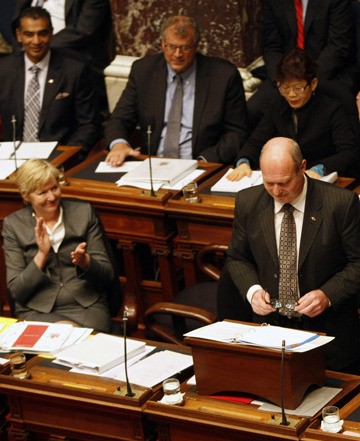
(129,393)
(152,192)
(13,122)
(284,421)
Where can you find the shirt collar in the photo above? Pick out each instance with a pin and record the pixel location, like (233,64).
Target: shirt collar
(60,218)
(42,64)
(184,75)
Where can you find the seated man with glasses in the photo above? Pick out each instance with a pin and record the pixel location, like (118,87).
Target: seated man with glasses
(194,105)
(326,134)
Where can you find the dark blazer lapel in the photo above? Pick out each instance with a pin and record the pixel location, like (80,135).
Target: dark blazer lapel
(51,87)
(18,82)
(312,221)
(289,10)
(159,85)
(310,14)
(68,6)
(268,226)
(202,85)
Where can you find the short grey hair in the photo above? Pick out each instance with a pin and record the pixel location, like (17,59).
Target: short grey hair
(182,25)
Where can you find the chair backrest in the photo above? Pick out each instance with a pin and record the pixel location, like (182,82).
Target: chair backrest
(193,307)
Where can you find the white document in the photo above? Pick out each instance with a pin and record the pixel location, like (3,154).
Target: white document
(35,336)
(28,150)
(114,371)
(100,352)
(126,166)
(180,184)
(156,368)
(76,336)
(263,336)
(123,182)
(331,177)
(311,404)
(8,166)
(224,185)
(164,170)
(7,149)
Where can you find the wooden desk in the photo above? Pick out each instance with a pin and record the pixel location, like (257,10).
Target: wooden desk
(55,404)
(91,410)
(205,418)
(12,201)
(349,412)
(206,222)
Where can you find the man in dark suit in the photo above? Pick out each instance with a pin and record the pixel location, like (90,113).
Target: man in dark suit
(67,98)
(328,40)
(87,35)
(327,266)
(213,120)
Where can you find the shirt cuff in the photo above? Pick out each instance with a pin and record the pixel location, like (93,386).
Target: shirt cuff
(251,291)
(242,161)
(116,141)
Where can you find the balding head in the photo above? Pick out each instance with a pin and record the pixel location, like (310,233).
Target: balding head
(283,169)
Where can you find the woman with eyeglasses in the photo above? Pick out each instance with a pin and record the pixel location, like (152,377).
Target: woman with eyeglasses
(313,118)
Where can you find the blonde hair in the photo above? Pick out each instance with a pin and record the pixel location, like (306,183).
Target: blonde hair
(34,174)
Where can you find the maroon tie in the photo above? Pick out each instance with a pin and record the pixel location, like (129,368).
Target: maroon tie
(299,23)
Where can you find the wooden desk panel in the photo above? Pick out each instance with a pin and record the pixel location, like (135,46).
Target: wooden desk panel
(46,404)
(205,418)
(56,404)
(350,427)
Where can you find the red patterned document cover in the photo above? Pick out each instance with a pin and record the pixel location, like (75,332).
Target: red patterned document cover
(30,336)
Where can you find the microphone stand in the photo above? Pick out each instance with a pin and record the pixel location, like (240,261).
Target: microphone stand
(284,421)
(129,393)
(13,121)
(152,192)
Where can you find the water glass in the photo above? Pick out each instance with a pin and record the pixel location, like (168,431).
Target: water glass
(171,388)
(18,365)
(190,192)
(331,419)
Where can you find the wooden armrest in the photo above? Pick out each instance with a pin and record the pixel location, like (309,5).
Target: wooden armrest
(207,267)
(190,312)
(174,310)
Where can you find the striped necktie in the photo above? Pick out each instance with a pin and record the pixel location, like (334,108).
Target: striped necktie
(32,107)
(299,23)
(172,137)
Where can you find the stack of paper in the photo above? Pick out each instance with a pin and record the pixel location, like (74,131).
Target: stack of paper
(164,171)
(99,352)
(264,336)
(34,336)
(224,185)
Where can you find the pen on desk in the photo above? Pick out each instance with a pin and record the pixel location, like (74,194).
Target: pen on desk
(77,385)
(295,345)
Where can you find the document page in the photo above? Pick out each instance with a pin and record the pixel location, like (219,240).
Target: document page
(156,368)
(264,336)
